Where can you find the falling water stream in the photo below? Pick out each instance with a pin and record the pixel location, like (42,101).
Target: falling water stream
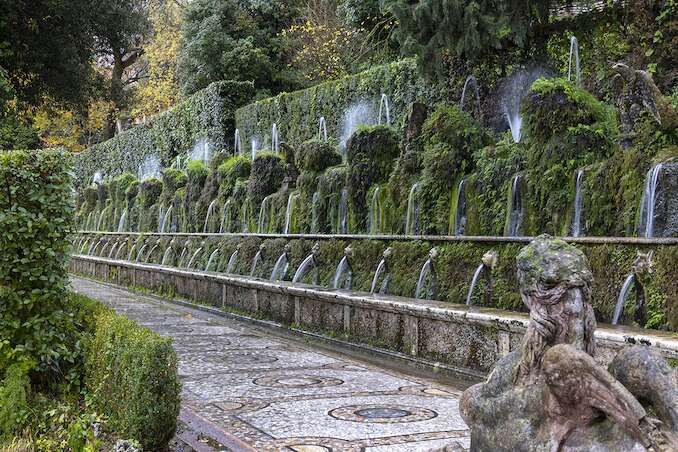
(460,211)
(649,200)
(384,110)
(470,79)
(322,129)
(412,217)
(574,54)
(214,254)
(280,268)
(193,258)
(474,281)
(343,276)
(623,294)
(210,212)
(307,263)
(231,262)
(577,217)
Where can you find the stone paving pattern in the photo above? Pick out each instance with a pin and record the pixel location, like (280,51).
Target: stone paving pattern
(276,393)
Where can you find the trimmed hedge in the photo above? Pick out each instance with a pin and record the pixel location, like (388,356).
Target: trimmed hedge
(36,209)
(131,373)
(208,114)
(297,114)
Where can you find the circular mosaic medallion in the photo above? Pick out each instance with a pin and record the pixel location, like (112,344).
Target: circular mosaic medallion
(301,381)
(382,414)
(248,358)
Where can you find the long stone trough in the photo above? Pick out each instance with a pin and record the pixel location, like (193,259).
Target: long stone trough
(466,340)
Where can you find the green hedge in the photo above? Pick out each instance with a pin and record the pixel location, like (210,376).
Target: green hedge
(208,114)
(296,114)
(131,373)
(36,209)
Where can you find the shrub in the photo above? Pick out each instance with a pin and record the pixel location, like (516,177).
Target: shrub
(14,390)
(36,209)
(234,168)
(131,373)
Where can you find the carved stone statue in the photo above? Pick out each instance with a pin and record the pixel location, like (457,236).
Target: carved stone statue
(551,395)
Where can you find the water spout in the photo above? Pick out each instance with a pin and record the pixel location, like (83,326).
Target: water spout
(237,144)
(574,52)
(211,258)
(375,213)
(257,258)
(123,221)
(231,262)
(577,217)
(621,299)
(262,223)
(412,216)
(649,200)
(489,261)
(427,278)
(150,253)
(210,213)
(275,142)
(281,266)
(253,144)
(382,269)
(470,79)
(515,122)
(343,212)
(291,204)
(141,252)
(460,211)
(166,255)
(131,252)
(315,206)
(225,224)
(182,256)
(516,211)
(322,129)
(194,257)
(166,219)
(307,263)
(343,276)
(383,106)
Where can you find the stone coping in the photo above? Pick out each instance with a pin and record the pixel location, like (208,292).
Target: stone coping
(502,320)
(425,238)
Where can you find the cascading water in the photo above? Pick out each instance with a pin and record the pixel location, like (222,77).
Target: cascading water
(231,262)
(649,200)
(214,254)
(193,258)
(357,114)
(225,224)
(150,168)
(574,53)
(474,281)
(383,107)
(322,129)
(201,151)
(280,268)
(237,143)
(460,211)
(515,220)
(210,213)
(140,254)
(291,204)
(515,122)
(578,201)
(256,260)
(427,284)
(623,294)
(262,222)
(123,221)
(375,212)
(470,79)
(166,255)
(382,268)
(150,253)
(343,276)
(307,263)
(167,217)
(315,205)
(412,216)
(275,142)
(343,212)
(253,147)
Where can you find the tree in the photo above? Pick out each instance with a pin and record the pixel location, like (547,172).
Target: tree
(237,40)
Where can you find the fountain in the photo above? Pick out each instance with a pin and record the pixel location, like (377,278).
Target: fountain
(182,255)
(93,250)
(257,258)
(621,299)
(231,261)
(470,79)
(161,216)
(511,96)
(237,144)
(643,264)
(263,221)
(281,265)
(649,200)
(460,210)
(307,263)
(119,250)
(166,255)
(343,276)
(275,142)
(375,213)
(210,213)
(115,246)
(131,252)
(427,284)
(291,203)
(93,246)
(98,178)
(343,211)
(201,151)
(577,217)
(322,129)
(412,216)
(102,216)
(489,261)
(574,51)
(254,144)
(383,105)
(211,259)
(382,269)
(195,256)
(123,221)
(225,223)
(141,252)
(515,122)
(150,168)
(516,213)
(357,114)
(165,219)
(150,253)
(315,204)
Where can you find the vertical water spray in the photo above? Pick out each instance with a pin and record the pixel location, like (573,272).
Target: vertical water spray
(574,54)
(275,142)
(343,212)
(460,210)
(515,218)
(384,107)
(515,122)
(237,143)
(291,204)
(412,216)
(375,212)
(578,201)
(470,79)
(322,129)
(649,200)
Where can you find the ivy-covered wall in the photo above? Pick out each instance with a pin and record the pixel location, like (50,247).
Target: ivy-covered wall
(207,115)
(297,114)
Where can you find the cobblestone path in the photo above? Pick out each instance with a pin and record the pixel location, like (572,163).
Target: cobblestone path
(250,389)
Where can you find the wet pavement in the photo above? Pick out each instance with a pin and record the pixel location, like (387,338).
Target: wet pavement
(251,389)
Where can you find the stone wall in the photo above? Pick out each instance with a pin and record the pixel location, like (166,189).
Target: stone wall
(466,340)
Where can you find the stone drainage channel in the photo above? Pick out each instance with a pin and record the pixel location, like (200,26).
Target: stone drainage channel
(246,388)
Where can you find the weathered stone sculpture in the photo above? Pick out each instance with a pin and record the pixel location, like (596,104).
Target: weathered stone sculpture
(551,395)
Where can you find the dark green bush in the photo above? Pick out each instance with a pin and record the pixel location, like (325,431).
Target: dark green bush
(267,174)
(131,373)
(315,155)
(36,211)
(234,168)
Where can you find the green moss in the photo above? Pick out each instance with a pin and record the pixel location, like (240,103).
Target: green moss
(316,156)
(267,174)
(232,169)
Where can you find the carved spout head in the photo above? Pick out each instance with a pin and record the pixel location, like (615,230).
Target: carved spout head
(643,263)
(262,247)
(316,248)
(433,253)
(489,259)
(387,252)
(287,248)
(348,251)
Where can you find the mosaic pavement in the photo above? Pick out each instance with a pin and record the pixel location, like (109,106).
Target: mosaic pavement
(274,393)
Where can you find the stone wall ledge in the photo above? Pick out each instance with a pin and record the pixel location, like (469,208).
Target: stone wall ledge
(467,337)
